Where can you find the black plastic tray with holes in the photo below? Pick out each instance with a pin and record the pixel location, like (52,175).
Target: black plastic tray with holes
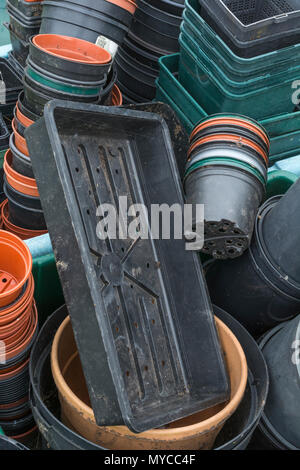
(140,311)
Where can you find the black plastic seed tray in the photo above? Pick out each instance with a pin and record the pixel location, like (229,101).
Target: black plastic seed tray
(140,310)
(255,27)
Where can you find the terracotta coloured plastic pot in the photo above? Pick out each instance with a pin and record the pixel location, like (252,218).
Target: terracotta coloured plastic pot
(20,163)
(195,432)
(31,116)
(71,49)
(22,233)
(22,118)
(15,267)
(20,306)
(19,182)
(20,141)
(116,96)
(15,350)
(84,72)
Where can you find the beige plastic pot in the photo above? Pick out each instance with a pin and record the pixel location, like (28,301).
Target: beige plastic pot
(195,432)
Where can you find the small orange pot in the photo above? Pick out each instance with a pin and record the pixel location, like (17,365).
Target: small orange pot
(23,233)
(116,96)
(196,432)
(18,308)
(13,373)
(22,118)
(15,349)
(15,267)
(73,49)
(126,4)
(21,183)
(7,332)
(20,142)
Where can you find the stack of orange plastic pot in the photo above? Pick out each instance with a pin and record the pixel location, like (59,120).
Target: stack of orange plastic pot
(21,212)
(18,330)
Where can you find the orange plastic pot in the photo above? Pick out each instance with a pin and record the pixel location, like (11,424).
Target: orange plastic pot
(126,4)
(20,142)
(231,139)
(22,233)
(15,267)
(8,375)
(73,49)
(16,326)
(116,96)
(193,433)
(22,118)
(16,349)
(19,182)
(16,308)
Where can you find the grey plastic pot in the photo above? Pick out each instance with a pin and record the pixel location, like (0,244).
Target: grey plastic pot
(229,220)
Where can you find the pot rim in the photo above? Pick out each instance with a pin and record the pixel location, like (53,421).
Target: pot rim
(73,43)
(20,141)
(165,434)
(23,184)
(19,231)
(22,118)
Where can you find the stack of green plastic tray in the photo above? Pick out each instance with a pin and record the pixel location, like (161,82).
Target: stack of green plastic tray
(220,81)
(284,129)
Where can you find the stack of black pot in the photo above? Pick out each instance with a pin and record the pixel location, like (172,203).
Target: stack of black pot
(262,288)
(88,19)
(25,21)
(154,32)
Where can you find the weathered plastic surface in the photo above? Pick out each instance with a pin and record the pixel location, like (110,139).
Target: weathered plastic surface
(147,340)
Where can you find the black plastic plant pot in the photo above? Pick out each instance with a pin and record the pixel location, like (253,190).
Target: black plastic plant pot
(154,40)
(23,29)
(6,443)
(252,289)
(46,408)
(28,9)
(56,78)
(173,7)
(19,426)
(158,19)
(19,46)
(35,99)
(24,109)
(107,89)
(107,8)
(14,388)
(18,125)
(281,417)
(79,22)
(18,409)
(281,233)
(24,211)
(73,71)
(136,79)
(139,54)
(130,96)
(228,221)
(20,162)
(61,94)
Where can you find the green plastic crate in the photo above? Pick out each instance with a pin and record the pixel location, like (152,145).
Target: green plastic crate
(1,432)
(282,58)
(190,113)
(213,96)
(223,68)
